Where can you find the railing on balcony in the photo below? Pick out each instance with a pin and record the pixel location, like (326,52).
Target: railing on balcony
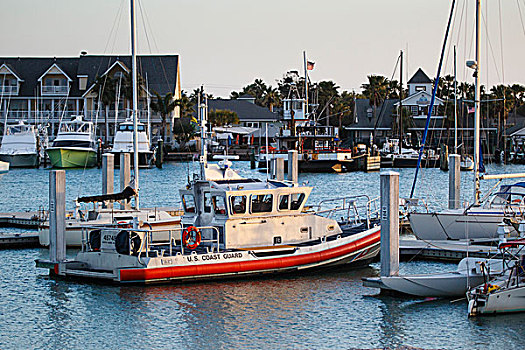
(55,90)
(9,89)
(91,115)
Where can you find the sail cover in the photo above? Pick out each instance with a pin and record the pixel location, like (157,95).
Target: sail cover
(124,195)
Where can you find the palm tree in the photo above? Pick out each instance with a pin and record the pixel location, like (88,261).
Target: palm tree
(376,90)
(164,105)
(105,88)
(271,97)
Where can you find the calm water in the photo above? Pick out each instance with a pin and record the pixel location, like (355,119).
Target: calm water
(319,311)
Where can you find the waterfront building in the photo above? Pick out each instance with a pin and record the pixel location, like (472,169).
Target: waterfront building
(46,90)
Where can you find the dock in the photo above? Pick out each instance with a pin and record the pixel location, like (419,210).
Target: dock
(452,251)
(19,240)
(24,219)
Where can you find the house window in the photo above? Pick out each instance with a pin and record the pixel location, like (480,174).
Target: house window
(414,110)
(421,88)
(369,113)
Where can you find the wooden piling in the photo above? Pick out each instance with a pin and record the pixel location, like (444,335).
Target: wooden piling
(454,181)
(389,223)
(57,215)
(108,173)
(125,177)
(293,166)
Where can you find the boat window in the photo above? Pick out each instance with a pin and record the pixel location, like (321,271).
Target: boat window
(238,204)
(219,205)
(207,202)
(140,128)
(122,128)
(297,200)
(73,143)
(261,203)
(188,201)
(283,202)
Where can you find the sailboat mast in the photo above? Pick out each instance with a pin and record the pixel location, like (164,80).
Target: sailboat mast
(477,148)
(400,101)
(135,104)
(455,105)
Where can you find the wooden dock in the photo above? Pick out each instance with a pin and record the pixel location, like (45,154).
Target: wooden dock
(19,240)
(444,250)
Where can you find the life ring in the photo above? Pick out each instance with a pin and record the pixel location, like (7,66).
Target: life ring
(191,237)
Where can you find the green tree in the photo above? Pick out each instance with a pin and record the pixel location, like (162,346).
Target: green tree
(164,105)
(220,117)
(376,90)
(271,97)
(183,130)
(105,88)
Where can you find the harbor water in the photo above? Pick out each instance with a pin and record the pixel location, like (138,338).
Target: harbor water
(323,310)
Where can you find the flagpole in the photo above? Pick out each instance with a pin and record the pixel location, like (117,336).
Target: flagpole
(305,85)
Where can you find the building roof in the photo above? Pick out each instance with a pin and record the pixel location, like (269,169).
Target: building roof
(161,71)
(383,115)
(246,111)
(420,78)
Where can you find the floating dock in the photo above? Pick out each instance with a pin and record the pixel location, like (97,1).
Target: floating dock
(24,219)
(19,240)
(452,251)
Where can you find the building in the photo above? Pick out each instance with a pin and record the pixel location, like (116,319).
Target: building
(46,90)
(252,118)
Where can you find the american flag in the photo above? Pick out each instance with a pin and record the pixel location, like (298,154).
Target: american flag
(310,65)
(471,110)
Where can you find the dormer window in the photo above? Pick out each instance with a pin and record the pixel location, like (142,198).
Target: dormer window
(54,81)
(369,112)
(118,75)
(421,88)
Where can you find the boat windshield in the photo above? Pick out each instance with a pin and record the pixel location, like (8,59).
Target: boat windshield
(261,203)
(129,127)
(238,204)
(219,205)
(71,143)
(188,201)
(509,195)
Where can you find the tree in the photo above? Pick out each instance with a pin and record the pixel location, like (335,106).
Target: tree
(271,97)
(183,130)
(257,89)
(220,117)
(164,105)
(376,90)
(186,104)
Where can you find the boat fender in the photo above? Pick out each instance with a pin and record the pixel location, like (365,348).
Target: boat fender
(95,238)
(127,243)
(191,237)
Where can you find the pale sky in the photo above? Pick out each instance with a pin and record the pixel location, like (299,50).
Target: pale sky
(226,44)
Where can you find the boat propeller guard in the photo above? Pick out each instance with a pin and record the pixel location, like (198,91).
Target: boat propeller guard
(191,237)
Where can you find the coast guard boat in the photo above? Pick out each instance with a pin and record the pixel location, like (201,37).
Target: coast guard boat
(231,227)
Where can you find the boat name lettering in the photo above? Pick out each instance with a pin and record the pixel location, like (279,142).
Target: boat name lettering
(211,257)
(166,261)
(231,255)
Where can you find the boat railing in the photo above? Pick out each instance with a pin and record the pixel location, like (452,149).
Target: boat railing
(350,210)
(152,240)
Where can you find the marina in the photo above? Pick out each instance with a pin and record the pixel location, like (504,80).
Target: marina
(142,210)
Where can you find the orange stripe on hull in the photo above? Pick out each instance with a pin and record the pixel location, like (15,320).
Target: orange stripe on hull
(147,274)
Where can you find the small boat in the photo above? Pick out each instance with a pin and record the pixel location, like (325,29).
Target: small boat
(506,292)
(477,221)
(4,167)
(123,143)
(470,272)
(20,145)
(74,146)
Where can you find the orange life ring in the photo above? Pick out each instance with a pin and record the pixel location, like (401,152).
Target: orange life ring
(191,237)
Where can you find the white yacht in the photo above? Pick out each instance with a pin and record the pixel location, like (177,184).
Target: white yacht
(20,145)
(74,146)
(123,143)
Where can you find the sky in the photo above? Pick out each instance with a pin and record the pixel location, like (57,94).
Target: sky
(226,44)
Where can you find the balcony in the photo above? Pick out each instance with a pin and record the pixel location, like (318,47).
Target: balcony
(9,90)
(55,90)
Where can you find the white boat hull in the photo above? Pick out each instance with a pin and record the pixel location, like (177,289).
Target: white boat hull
(451,284)
(501,301)
(29,160)
(456,225)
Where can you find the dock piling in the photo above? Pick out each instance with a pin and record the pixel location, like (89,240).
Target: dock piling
(454,181)
(57,215)
(159,157)
(389,223)
(125,177)
(293,166)
(108,173)
(252,159)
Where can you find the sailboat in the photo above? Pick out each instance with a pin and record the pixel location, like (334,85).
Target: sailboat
(479,220)
(20,145)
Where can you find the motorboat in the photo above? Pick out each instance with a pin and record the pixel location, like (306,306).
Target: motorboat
(74,145)
(20,145)
(474,222)
(466,164)
(470,272)
(504,293)
(394,156)
(123,143)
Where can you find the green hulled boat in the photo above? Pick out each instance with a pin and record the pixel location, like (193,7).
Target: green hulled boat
(74,146)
